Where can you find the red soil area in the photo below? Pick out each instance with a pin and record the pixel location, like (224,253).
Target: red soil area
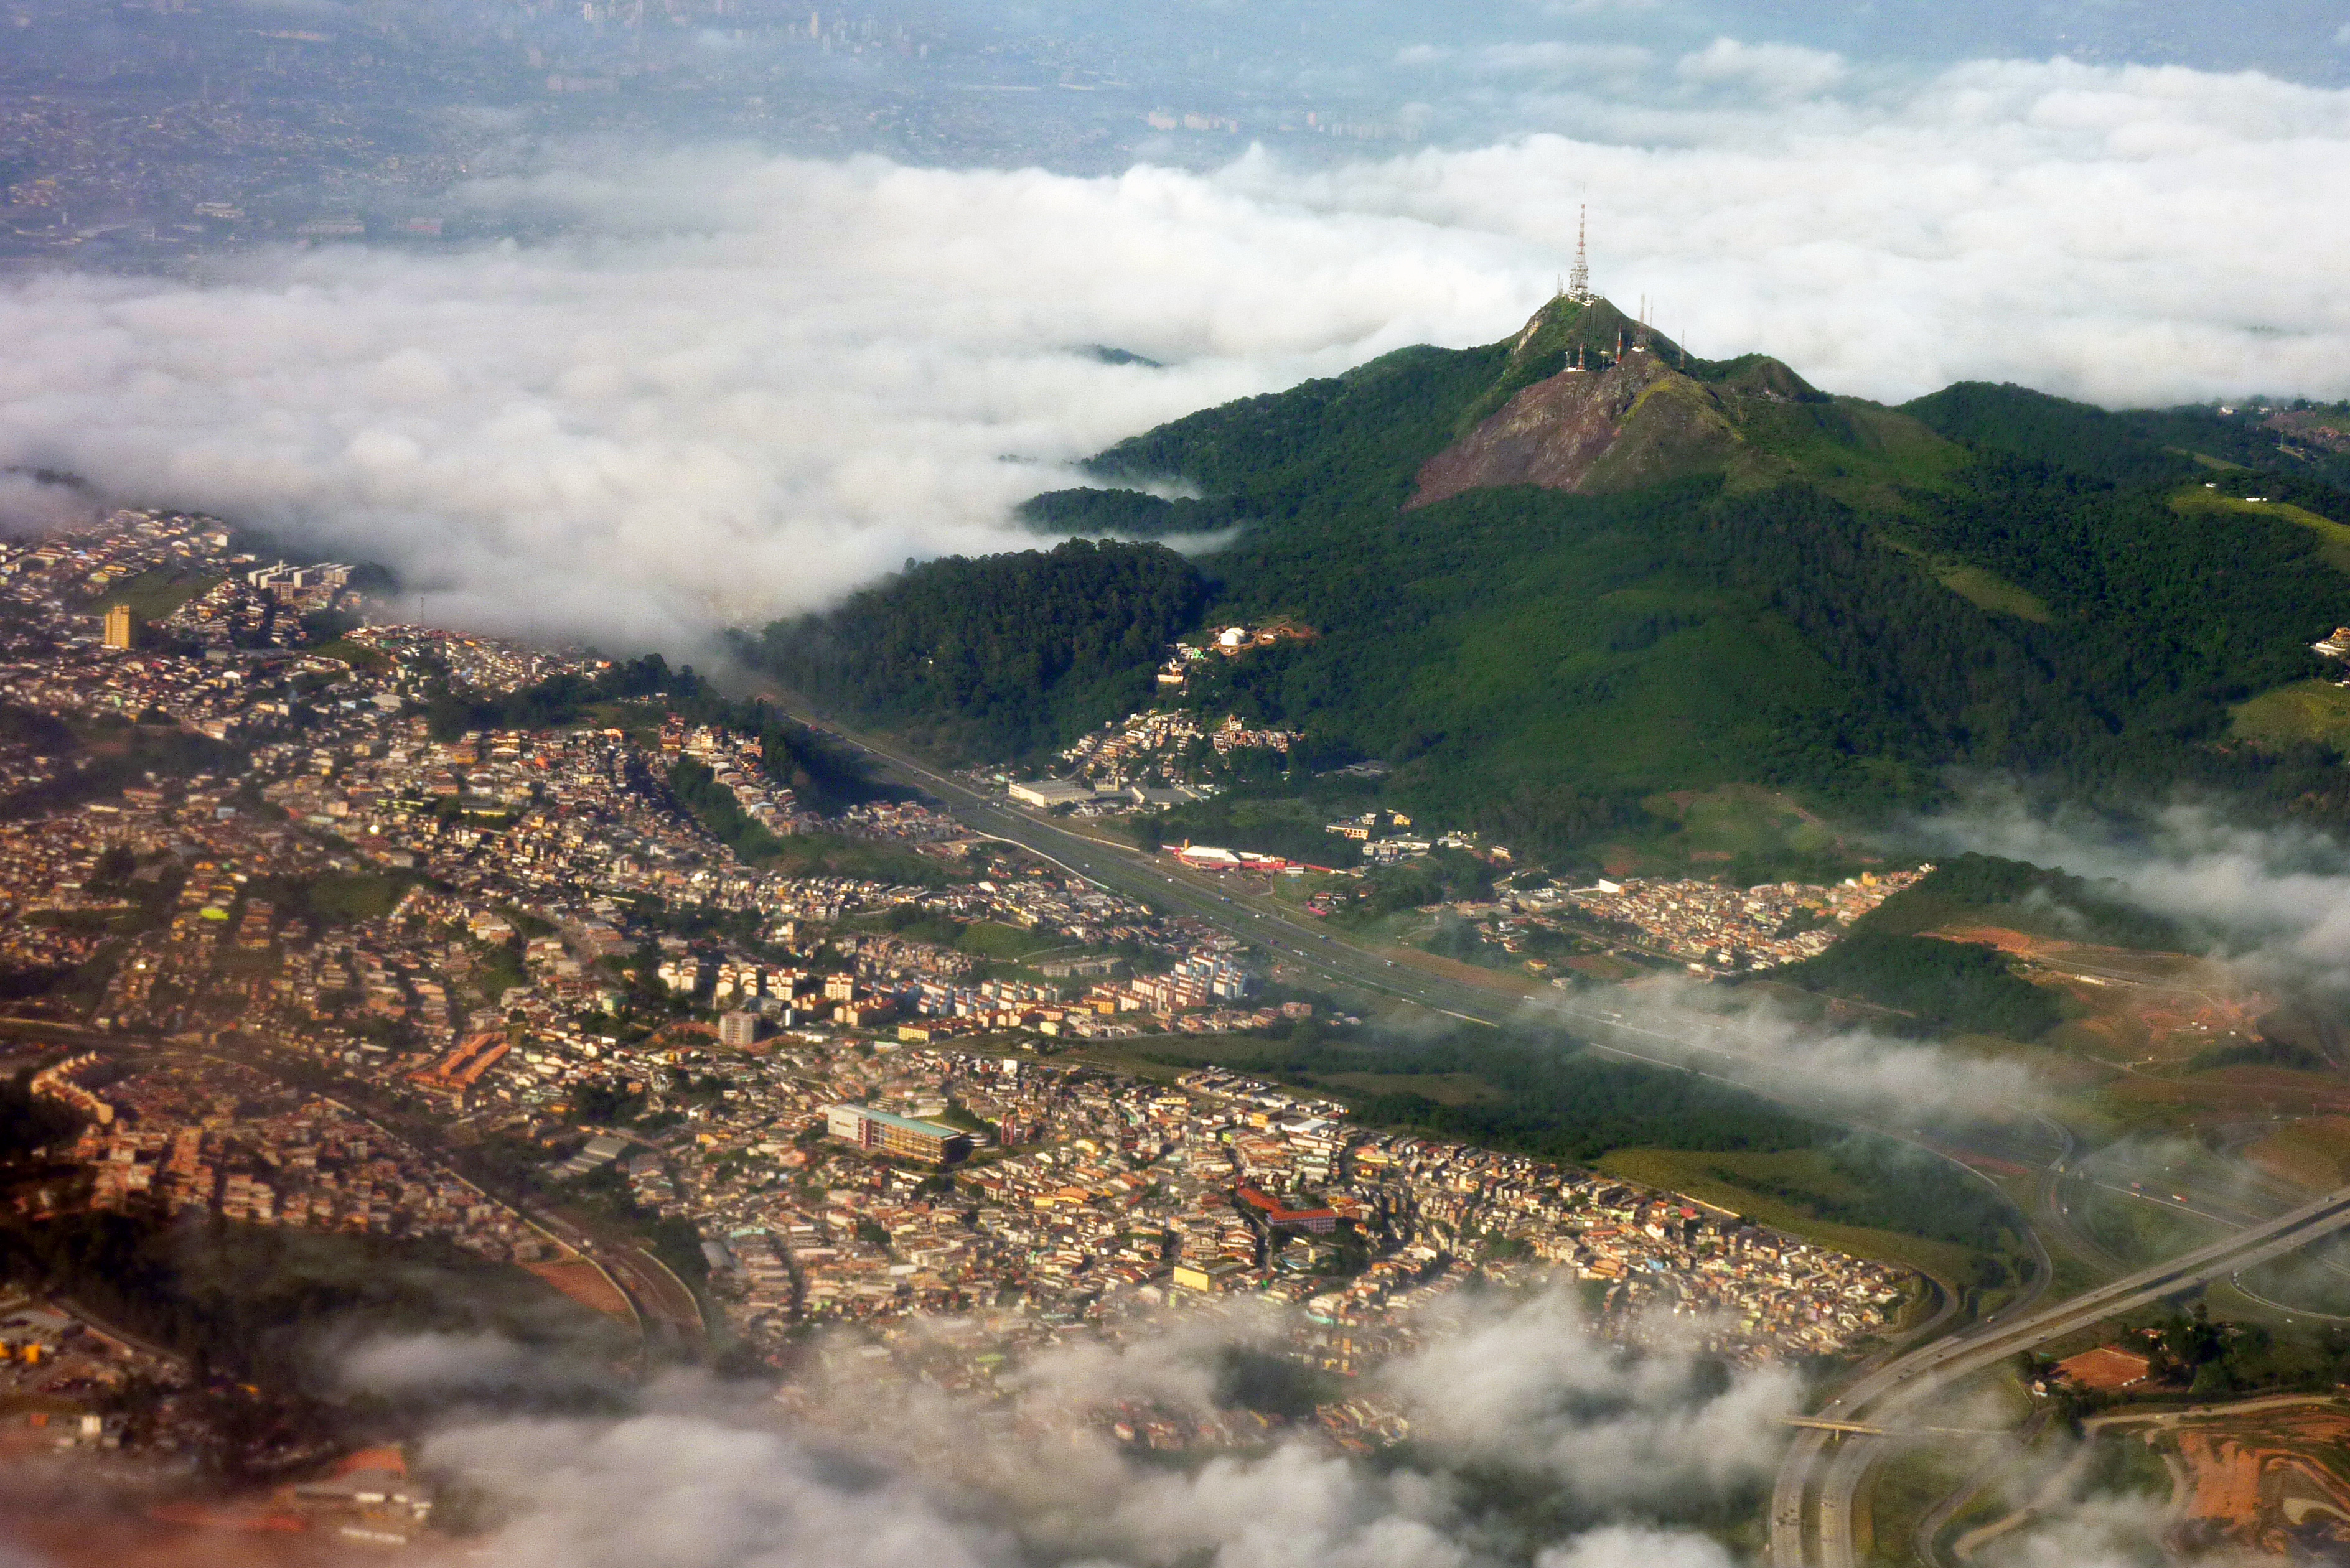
(586,1284)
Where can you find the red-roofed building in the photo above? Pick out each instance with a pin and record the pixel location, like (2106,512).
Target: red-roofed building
(1321,1222)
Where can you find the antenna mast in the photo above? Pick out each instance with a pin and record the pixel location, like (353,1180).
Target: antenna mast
(1578,282)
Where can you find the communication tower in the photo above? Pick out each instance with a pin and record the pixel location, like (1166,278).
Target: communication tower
(1578,282)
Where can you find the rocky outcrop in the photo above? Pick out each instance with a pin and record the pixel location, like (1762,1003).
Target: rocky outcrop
(1561,433)
(1637,415)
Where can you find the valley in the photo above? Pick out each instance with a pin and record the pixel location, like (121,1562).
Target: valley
(1584,609)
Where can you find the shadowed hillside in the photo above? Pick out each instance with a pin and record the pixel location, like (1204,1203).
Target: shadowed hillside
(1580,565)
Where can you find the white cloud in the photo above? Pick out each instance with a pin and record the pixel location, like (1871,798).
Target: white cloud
(886,1473)
(1747,1039)
(1595,7)
(772,379)
(428,1362)
(781,378)
(2276,900)
(1620,1544)
(1776,71)
(1548,57)
(1529,1387)
(443,1368)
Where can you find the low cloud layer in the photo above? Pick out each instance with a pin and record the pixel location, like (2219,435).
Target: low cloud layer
(445,1369)
(1846,1072)
(2276,900)
(764,380)
(892,1476)
(1525,1386)
(1533,1442)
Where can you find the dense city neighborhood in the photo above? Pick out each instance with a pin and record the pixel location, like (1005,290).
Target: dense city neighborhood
(872,1100)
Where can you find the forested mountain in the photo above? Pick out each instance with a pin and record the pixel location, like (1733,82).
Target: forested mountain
(1544,570)
(995,656)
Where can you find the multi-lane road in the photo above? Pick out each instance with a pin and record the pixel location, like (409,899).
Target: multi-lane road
(1812,1506)
(1812,1521)
(1716,1048)
(1261,921)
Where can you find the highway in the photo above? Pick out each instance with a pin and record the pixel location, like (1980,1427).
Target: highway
(1821,1475)
(1262,922)
(1712,1048)
(1304,944)
(667,1310)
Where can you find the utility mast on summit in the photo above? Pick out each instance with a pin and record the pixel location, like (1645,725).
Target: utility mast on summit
(1578,282)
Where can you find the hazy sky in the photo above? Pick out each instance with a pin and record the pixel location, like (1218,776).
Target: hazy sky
(1324,42)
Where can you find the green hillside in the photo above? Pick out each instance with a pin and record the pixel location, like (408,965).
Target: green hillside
(996,657)
(1533,581)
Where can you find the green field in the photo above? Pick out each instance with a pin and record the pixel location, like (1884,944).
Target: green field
(337,898)
(2304,711)
(1741,819)
(2136,1229)
(1991,592)
(1743,831)
(990,938)
(1905,1488)
(154,595)
(356,654)
(2315,1279)
(1444,1088)
(2333,537)
(1982,588)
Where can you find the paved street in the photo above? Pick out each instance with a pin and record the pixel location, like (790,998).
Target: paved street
(1821,1475)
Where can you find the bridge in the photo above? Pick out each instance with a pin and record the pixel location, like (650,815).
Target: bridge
(1812,1504)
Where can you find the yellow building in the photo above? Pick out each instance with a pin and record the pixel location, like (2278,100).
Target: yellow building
(121,630)
(1211,1276)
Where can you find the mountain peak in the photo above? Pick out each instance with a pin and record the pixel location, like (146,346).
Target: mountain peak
(1595,326)
(1591,399)
(1560,432)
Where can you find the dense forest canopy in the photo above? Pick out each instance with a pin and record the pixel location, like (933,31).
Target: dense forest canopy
(1133,512)
(997,657)
(1934,986)
(1988,576)
(28,1122)
(264,1302)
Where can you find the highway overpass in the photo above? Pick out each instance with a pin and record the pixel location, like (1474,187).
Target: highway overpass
(1812,1504)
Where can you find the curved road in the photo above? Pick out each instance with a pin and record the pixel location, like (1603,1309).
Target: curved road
(1889,1388)
(1893,1392)
(1291,940)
